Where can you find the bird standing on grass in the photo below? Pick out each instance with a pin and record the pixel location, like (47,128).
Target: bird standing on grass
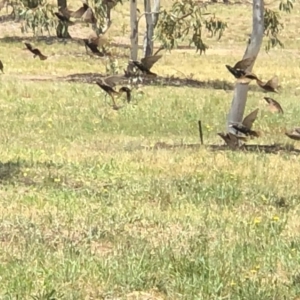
(112,92)
(35,51)
(246,125)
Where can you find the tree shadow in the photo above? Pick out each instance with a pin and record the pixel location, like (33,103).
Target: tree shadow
(172,81)
(269,149)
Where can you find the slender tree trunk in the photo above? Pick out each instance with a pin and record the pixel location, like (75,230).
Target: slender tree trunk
(148,42)
(62,29)
(156,9)
(134,30)
(151,21)
(240,92)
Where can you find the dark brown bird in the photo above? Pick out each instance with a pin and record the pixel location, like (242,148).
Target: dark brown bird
(35,51)
(92,46)
(269,86)
(274,106)
(239,70)
(146,64)
(231,140)
(246,125)
(112,92)
(1,66)
(294,134)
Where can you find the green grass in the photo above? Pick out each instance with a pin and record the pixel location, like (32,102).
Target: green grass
(90,214)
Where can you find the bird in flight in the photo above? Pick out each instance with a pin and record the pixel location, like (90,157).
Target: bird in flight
(64,16)
(147,63)
(35,51)
(239,70)
(86,13)
(274,106)
(269,86)
(246,125)
(294,134)
(105,85)
(93,46)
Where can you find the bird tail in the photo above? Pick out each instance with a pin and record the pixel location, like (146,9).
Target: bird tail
(43,57)
(256,133)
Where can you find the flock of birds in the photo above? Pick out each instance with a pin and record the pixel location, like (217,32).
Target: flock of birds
(142,69)
(244,129)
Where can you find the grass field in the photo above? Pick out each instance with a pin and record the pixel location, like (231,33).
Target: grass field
(89,213)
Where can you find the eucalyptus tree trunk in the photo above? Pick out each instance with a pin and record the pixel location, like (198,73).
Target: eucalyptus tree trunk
(134,30)
(240,91)
(151,21)
(62,29)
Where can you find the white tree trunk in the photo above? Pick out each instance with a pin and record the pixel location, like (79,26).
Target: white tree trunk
(134,30)
(151,21)
(240,92)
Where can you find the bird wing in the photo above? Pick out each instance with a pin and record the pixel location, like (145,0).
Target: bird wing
(89,16)
(140,66)
(61,17)
(273,82)
(244,64)
(113,80)
(105,87)
(249,120)
(79,12)
(149,61)
(66,12)
(268,99)
(274,103)
(91,45)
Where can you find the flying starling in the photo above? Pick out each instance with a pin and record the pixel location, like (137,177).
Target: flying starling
(35,51)
(239,70)
(85,13)
(294,134)
(269,86)
(246,125)
(231,140)
(274,106)
(64,16)
(92,46)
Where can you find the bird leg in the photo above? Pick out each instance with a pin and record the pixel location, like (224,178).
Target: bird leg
(113,101)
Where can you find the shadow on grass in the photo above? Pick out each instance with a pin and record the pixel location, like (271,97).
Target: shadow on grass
(9,170)
(270,149)
(91,78)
